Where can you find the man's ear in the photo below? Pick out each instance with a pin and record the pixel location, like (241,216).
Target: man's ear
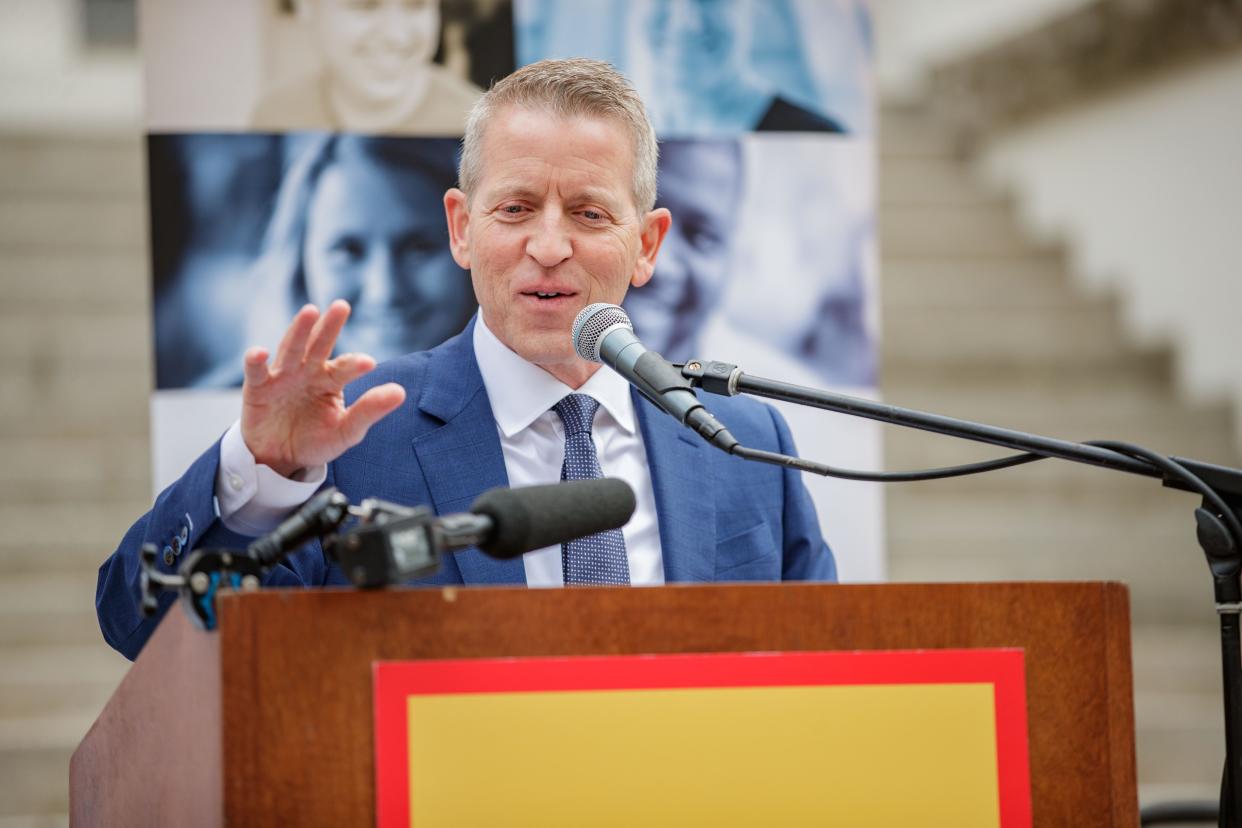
(654,229)
(457,213)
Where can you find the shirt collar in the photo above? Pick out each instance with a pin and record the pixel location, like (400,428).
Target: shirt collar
(520,391)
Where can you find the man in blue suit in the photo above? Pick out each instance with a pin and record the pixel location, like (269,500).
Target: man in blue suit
(555,212)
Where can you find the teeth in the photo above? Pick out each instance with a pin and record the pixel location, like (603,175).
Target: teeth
(543,295)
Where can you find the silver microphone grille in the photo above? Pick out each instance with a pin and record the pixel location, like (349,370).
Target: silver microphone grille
(592,323)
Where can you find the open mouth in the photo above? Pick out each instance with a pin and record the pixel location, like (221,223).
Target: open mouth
(548,296)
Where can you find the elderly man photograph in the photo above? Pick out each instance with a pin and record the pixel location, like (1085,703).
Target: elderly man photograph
(555,211)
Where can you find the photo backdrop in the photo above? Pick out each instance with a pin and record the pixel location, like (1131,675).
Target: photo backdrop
(298,151)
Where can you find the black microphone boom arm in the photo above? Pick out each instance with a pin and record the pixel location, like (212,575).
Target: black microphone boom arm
(728,380)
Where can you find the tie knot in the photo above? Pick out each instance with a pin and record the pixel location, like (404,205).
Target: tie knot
(577,412)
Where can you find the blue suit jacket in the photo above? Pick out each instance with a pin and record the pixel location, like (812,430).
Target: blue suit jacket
(720,518)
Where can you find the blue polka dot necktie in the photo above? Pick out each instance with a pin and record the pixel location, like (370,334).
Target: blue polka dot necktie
(595,559)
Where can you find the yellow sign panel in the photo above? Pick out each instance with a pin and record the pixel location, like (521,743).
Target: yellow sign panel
(875,755)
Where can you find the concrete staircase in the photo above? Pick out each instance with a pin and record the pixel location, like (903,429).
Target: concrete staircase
(980,323)
(75,331)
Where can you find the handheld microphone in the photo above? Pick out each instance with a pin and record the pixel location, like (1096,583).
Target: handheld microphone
(408,542)
(533,517)
(318,516)
(604,333)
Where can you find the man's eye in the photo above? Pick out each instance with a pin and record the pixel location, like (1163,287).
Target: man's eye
(511,209)
(592,215)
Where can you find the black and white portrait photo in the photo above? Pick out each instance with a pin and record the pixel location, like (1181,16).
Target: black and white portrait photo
(390,67)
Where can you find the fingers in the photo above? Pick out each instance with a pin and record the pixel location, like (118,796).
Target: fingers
(293,345)
(254,367)
(369,409)
(348,367)
(326,330)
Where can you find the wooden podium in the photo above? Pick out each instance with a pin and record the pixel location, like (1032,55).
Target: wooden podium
(268,721)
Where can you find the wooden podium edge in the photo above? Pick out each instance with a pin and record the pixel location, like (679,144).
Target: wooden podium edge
(166,711)
(1121,726)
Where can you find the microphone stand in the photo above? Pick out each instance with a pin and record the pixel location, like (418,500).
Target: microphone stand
(1217,519)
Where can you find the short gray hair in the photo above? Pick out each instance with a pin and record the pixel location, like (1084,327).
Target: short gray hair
(575,87)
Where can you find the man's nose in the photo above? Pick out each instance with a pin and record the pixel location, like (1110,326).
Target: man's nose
(549,243)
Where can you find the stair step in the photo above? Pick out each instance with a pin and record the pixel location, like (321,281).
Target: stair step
(1032,284)
(1178,658)
(1125,494)
(119,336)
(1188,761)
(957,231)
(1177,710)
(57,698)
(72,166)
(63,223)
(1174,588)
(943,338)
(69,524)
(36,787)
(1076,414)
(48,608)
(73,334)
(933,321)
(931,181)
(73,400)
(78,280)
(47,592)
(897,370)
(1138,509)
(1151,372)
(1183,709)
(1184,755)
(51,627)
(81,664)
(74,469)
(1122,528)
(50,732)
(908,132)
(51,554)
(1083,547)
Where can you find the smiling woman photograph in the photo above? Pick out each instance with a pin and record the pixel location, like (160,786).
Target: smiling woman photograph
(361,219)
(356,218)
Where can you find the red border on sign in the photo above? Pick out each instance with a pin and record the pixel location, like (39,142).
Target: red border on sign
(395,681)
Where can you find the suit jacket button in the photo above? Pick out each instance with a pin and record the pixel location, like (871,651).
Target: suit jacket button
(185,536)
(169,557)
(176,545)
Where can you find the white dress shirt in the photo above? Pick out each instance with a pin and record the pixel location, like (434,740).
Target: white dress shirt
(253,499)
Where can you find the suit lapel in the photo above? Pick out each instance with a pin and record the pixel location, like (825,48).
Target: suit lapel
(684,494)
(462,459)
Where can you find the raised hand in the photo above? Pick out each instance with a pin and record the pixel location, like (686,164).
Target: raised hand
(293,411)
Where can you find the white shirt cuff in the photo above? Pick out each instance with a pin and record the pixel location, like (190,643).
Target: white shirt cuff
(253,498)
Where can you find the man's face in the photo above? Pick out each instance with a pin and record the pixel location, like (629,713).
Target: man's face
(552,228)
(373,48)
